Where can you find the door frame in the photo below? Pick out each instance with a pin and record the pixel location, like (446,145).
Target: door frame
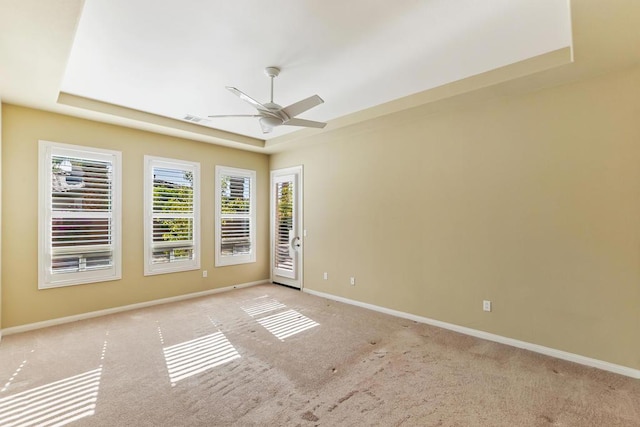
(298,211)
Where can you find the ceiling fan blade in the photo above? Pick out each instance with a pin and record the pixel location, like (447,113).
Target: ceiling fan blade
(305,123)
(236,115)
(249,100)
(302,106)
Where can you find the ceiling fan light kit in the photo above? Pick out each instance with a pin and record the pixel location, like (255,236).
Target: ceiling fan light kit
(270,122)
(271,114)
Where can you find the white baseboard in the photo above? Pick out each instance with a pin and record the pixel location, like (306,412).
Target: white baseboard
(92,314)
(583,360)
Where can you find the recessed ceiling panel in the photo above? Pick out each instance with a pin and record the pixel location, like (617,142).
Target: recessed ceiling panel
(175,58)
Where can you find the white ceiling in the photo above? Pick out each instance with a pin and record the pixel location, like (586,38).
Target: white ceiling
(174,58)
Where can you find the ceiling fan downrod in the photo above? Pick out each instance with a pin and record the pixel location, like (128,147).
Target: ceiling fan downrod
(272,72)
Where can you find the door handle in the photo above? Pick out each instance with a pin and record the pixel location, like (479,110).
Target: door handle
(295,242)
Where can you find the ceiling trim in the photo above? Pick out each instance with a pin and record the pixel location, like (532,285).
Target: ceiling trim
(543,62)
(214,136)
(152,122)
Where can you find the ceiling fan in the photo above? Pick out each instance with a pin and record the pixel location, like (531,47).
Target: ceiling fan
(271,114)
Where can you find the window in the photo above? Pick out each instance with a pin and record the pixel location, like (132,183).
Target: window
(80,215)
(235,216)
(172,224)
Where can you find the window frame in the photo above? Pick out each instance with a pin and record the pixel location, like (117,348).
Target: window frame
(226,260)
(151,162)
(46,278)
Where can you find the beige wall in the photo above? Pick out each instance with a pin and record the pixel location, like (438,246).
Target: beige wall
(0,219)
(23,303)
(532,202)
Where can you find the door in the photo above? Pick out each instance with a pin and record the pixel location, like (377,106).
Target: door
(286,226)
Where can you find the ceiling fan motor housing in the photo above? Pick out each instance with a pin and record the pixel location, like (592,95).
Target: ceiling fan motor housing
(272,106)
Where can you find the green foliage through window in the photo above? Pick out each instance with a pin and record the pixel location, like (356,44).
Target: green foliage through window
(172,214)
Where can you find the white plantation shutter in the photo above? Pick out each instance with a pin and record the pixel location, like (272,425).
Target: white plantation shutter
(235,211)
(80,218)
(171,225)
(283,258)
(235,216)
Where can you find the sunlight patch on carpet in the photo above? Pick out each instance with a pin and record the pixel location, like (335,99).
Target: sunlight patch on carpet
(263,306)
(193,357)
(54,404)
(287,324)
(15,374)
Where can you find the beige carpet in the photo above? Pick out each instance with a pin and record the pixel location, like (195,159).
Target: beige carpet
(272,356)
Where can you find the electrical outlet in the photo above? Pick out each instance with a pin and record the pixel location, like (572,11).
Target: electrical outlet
(486,305)
(204,273)
(353,281)
(325,276)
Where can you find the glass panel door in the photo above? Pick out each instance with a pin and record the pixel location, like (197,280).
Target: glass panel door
(286,227)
